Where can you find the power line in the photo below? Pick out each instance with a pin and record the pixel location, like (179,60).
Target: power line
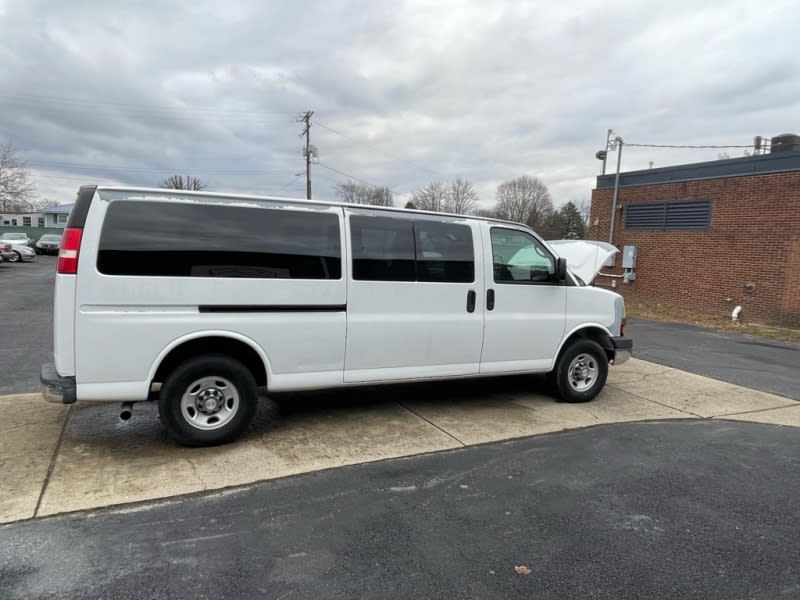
(93,103)
(112,181)
(332,178)
(287,184)
(687,146)
(65,178)
(405,160)
(337,132)
(191,171)
(323,165)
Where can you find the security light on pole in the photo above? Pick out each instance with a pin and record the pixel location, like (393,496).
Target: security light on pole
(603,154)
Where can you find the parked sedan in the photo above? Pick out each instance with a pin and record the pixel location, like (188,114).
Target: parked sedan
(6,252)
(15,238)
(49,243)
(21,253)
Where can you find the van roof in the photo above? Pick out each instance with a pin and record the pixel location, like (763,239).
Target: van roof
(298,201)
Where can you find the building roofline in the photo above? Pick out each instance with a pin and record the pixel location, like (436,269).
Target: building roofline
(60,209)
(764,164)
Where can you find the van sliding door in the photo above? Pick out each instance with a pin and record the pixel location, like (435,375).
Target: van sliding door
(414,306)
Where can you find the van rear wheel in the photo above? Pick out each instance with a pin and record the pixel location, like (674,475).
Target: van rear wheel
(581,372)
(207,400)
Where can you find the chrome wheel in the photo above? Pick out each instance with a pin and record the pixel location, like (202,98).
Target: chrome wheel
(15,257)
(210,403)
(583,372)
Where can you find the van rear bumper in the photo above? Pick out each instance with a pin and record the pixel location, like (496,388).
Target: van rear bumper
(623,347)
(55,388)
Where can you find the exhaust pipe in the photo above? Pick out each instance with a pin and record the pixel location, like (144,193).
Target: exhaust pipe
(126,411)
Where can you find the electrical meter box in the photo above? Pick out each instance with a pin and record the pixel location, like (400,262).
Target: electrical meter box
(629,257)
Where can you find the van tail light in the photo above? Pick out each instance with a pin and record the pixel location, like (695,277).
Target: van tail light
(70,248)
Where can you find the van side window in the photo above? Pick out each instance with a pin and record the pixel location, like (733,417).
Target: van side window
(383,248)
(182,239)
(520,258)
(444,252)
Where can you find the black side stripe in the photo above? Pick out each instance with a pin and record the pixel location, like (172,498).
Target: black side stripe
(251,308)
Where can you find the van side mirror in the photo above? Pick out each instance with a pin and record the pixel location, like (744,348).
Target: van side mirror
(561,269)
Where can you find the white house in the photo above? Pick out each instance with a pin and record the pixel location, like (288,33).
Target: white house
(48,217)
(34,219)
(56,216)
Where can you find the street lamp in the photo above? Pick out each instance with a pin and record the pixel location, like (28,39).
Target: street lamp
(602,154)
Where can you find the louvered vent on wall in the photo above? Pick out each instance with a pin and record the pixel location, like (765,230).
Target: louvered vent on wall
(674,214)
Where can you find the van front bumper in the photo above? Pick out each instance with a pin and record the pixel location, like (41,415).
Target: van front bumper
(55,388)
(623,347)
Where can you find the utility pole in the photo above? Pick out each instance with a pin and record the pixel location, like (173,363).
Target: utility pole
(618,143)
(309,150)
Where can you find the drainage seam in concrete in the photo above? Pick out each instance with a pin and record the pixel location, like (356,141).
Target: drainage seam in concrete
(447,433)
(760,410)
(688,412)
(52,465)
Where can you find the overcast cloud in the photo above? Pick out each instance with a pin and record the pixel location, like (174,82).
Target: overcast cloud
(403,93)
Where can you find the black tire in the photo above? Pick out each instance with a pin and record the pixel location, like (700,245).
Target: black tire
(565,381)
(16,257)
(178,422)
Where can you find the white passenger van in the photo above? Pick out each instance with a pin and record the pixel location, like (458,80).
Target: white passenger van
(197,300)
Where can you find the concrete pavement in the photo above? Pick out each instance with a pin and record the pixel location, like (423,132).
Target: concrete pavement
(56,459)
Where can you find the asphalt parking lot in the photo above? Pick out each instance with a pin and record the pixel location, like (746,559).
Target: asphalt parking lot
(703,509)
(758,363)
(26,306)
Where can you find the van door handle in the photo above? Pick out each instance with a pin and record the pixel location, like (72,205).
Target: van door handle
(471,297)
(490,299)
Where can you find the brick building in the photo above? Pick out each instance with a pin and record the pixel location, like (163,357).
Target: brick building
(709,236)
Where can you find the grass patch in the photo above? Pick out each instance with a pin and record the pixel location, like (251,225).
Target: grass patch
(661,312)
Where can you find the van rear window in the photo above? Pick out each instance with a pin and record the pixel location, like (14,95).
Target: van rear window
(172,239)
(399,249)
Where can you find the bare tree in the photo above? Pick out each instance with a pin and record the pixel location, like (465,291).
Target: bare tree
(351,192)
(381,196)
(47,203)
(410,205)
(462,199)
(585,208)
(357,193)
(177,182)
(458,197)
(432,197)
(524,199)
(16,187)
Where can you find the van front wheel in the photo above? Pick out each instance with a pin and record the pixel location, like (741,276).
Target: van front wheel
(207,400)
(581,371)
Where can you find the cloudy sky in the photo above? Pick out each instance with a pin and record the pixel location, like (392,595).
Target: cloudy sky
(403,92)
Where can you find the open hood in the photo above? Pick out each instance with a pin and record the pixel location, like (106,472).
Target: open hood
(585,258)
